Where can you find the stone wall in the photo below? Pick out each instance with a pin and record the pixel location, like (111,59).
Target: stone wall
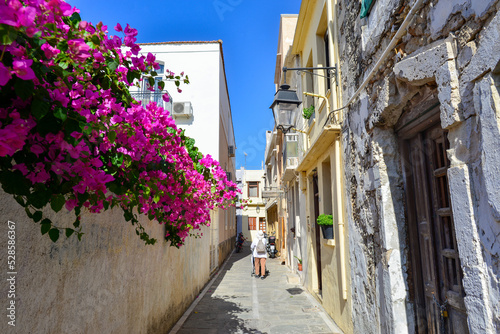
(452,48)
(110,282)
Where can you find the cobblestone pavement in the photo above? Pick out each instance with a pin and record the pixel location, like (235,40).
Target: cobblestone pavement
(237,302)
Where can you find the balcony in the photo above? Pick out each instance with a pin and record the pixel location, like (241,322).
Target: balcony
(146,97)
(270,192)
(289,170)
(290,157)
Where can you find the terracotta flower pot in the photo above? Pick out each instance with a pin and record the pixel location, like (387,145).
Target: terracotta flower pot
(299,266)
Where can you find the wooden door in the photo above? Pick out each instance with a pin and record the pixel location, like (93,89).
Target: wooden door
(436,277)
(317,231)
(262,224)
(252,223)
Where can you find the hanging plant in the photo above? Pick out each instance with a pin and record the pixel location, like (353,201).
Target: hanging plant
(308,112)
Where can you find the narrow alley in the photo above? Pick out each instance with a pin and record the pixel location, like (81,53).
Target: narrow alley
(236,302)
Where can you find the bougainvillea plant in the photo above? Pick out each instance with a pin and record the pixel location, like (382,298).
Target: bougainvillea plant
(71,135)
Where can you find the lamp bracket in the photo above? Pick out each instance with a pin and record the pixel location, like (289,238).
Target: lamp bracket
(333,69)
(284,129)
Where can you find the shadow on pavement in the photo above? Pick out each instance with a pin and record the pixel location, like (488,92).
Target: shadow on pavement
(221,313)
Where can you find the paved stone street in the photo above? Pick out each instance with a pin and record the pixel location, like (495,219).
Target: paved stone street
(236,302)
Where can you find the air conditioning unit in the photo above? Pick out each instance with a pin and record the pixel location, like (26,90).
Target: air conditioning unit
(231,151)
(182,109)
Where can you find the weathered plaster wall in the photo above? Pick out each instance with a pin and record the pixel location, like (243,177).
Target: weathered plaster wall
(452,46)
(110,282)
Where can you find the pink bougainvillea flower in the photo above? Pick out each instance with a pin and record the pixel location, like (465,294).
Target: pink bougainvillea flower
(22,68)
(15,14)
(166,98)
(79,48)
(61,8)
(71,204)
(118,27)
(5,75)
(7,14)
(50,52)
(83,25)
(130,31)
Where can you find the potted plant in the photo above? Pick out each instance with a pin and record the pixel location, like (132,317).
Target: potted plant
(299,265)
(308,112)
(326,223)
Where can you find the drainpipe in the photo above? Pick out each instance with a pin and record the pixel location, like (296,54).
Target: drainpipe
(340,216)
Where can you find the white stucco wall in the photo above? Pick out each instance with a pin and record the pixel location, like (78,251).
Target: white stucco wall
(110,282)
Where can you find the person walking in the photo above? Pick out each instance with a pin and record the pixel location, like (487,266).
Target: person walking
(259,253)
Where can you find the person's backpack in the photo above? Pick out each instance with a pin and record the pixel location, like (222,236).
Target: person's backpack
(261,248)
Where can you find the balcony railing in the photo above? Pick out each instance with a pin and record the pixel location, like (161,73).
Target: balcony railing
(270,192)
(146,97)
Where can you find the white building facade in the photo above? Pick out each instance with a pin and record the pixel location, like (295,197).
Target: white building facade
(202,108)
(252,217)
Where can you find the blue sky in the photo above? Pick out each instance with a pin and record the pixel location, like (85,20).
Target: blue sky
(249,31)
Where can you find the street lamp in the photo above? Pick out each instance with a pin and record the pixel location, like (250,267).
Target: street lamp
(257,209)
(286,102)
(285,108)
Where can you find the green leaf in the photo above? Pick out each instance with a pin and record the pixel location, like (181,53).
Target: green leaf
(20,200)
(76,223)
(57,202)
(112,136)
(54,234)
(39,198)
(70,126)
(116,188)
(75,19)
(127,215)
(130,76)
(24,88)
(105,83)
(156,198)
(8,34)
(37,216)
(61,113)
(151,81)
(49,124)
(69,232)
(95,40)
(39,108)
(161,85)
(14,183)
(63,46)
(112,65)
(45,228)
(86,128)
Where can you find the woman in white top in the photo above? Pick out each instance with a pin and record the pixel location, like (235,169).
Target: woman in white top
(258,248)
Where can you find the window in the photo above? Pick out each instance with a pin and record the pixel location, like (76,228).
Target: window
(252,223)
(161,70)
(327,59)
(253,189)
(292,148)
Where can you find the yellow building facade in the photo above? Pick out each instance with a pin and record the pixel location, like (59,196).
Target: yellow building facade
(313,183)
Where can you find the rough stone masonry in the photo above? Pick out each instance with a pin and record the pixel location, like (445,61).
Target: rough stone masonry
(451,52)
